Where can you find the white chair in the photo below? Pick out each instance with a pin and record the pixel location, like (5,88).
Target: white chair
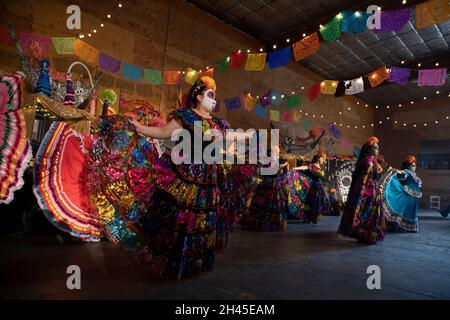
(435,202)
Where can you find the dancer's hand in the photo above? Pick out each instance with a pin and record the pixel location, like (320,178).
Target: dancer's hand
(135,123)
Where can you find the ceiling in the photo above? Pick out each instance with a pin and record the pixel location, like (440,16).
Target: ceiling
(351,55)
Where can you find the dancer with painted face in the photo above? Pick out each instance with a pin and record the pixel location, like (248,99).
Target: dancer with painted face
(401,193)
(363,218)
(173,216)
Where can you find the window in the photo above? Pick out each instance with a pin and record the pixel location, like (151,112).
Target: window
(434,155)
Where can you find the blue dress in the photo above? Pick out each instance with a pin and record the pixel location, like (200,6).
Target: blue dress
(401,193)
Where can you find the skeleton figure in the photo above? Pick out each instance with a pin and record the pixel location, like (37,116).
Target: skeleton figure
(342,177)
(58,90)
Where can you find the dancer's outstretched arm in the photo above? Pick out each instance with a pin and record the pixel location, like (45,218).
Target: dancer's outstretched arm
(157,132)
(301,168)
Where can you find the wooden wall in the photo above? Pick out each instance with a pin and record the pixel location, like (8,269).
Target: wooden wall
(397,142)
(137,34)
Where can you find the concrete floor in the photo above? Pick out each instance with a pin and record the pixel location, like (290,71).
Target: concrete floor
(306,262)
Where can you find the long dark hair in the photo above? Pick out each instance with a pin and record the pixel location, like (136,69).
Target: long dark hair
(316,158)
(365,151)
(197,88)
(405,165)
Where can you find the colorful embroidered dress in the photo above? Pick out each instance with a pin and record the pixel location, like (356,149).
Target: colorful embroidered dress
(298,185)
(363,217)
(59,182)
(317,199)
(401,194)
(308,198)
(15,149)
(267,209)
(171,216)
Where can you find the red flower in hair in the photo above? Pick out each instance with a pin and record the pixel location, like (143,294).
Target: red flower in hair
(410,159)
(371,141)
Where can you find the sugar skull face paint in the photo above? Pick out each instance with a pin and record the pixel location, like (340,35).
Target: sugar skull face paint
(208,101)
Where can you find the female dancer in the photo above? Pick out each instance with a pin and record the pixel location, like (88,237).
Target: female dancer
(313,197)
(363,218)
(173,216)
(267,205)
(401,194)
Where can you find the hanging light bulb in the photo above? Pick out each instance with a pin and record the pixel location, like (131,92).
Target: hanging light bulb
(274,46)
(248,50)
(419,64)
(260,49)
(102,25)
(437,64)
(403,62)
(120,5)
(108,16)
(403,1)
(304,35)
(288,40)
(425,124)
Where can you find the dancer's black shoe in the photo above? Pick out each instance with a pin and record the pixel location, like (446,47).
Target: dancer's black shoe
(444,213)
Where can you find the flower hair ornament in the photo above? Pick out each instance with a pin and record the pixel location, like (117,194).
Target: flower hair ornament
(371,141)
(410,159)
